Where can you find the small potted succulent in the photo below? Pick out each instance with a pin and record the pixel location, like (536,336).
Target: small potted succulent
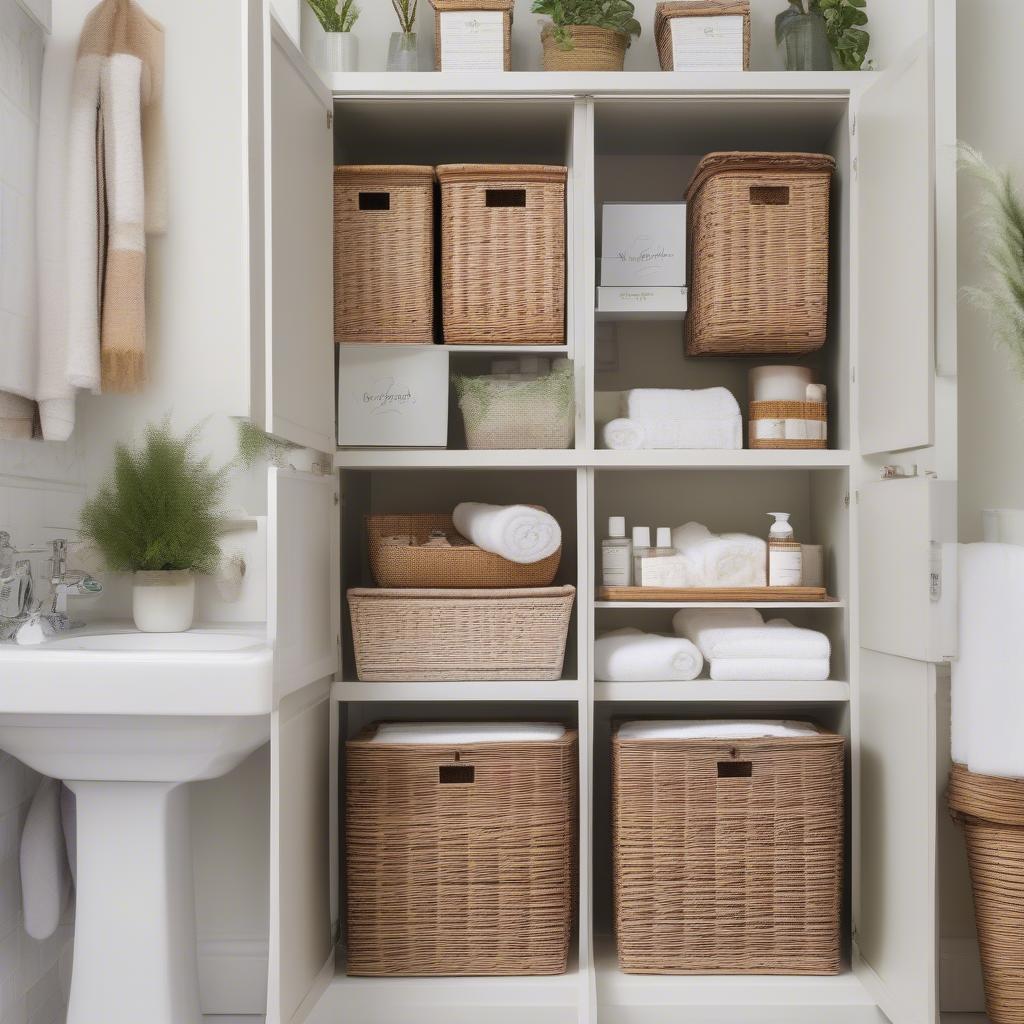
(327,38)
(158,517)
(586,35)
(822,35)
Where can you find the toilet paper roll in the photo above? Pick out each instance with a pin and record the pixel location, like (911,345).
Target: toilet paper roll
(779,383)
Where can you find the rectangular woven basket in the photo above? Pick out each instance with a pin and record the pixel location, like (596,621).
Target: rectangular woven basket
(460,862)
(758,226)
(384,254)
(813,416)
(728,854)
(665,12)
(468,6)
(503,254)
(456,567)
(460,635)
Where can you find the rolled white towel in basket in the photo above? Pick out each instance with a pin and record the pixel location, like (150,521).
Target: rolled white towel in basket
(797,670)
(729,560)
(623,435)
(516,532)
(736,633)
(630,655)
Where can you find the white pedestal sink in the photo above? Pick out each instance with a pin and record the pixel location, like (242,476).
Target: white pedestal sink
(127,719)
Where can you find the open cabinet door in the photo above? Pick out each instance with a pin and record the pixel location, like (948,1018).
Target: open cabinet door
(907,533)
(896,258)
(302,621)
(291,147)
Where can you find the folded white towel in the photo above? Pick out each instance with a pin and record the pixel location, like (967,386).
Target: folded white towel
(988,698)
(630,655)
(804,670)
(714,729)
(720,634)
(676,404)
(516,532)
(729,560)
(668,433)
(623,435)
(433,733)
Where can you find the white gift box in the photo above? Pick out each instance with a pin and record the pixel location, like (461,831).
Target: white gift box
(390,397)
(643,244)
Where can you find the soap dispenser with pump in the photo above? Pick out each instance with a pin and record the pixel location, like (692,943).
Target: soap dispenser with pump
(785,556)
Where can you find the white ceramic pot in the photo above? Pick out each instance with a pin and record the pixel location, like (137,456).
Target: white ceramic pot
(327,51)
(163,602)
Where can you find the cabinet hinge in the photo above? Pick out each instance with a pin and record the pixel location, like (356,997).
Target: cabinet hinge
(846,501)
(330,120)
(853,123)
(337,500)
(856,170)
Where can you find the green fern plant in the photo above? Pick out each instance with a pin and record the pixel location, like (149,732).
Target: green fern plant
(617,15)
(160,508)
(1002,227)
(335,16)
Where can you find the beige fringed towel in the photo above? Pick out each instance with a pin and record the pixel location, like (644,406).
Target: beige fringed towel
(116,193)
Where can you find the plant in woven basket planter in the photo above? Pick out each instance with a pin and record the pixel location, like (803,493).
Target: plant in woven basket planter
(158,516)
(586,35)
(821,34)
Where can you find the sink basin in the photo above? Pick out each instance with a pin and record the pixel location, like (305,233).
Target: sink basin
(126,719)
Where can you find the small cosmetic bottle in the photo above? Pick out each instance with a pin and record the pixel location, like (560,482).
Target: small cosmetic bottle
(664,548)
(785,556)
(617,555)
(641,549)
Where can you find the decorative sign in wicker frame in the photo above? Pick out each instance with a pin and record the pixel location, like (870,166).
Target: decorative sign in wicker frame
(666,11)
(467,7)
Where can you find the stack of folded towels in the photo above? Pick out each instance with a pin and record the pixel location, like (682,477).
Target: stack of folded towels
(739,645)
(631,656)
(670,418)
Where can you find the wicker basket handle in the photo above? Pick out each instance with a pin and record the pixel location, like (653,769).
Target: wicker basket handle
(375,201)
(505,198)
(735,769)
(456,775)
(769,195)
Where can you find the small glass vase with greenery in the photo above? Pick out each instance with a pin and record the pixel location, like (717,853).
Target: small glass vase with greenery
(159,517)
(822,35)
(586,35)
(402,54)
(327,37)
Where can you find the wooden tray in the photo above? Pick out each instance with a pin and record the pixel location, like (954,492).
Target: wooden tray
(754,595)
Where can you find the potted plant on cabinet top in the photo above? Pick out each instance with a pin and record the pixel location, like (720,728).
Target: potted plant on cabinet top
(158,517)
(402,45)
(820,35)
(586,35)
(327,38)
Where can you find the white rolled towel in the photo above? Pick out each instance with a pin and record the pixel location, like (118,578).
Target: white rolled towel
(807,670)
(729,560)
(721,633)
(517,532)
(623,435)
(630,655)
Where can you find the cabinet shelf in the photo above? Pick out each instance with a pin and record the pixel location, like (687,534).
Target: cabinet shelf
(355,692)
(707,691)
(714,597)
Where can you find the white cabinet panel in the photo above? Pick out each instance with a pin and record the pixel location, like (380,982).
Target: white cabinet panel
(908,567)
(895,904)
(896,262)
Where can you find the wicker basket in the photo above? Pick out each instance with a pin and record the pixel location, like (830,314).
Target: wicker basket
(384,254)
(503,254)
(991,811)
(468,7)
(502,414)
(455,567)
(460,635)
(665,13)
(460,862)
(758,240)
(790,425)
(727,854)
(593,49)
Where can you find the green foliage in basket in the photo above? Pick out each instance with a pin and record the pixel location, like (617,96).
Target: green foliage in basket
(617,15)
(160,508)
(406,11)
(477,395)
(844,21)
(335,15)
(1002,227)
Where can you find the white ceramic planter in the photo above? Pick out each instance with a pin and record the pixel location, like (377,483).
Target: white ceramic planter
(163,602)
(327,51)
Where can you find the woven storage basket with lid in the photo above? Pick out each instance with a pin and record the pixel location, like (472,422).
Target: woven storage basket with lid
(468,7)
(460,635)
(666,12)
(727,854)
(503,254)
(384,254)
(593,49)
(462,567)
(460,862)
(758,253)
(991,812)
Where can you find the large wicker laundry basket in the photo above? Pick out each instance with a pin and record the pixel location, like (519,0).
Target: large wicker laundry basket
(727,854)
(991,812)
(384,254)
(503,254)
(758,253)
(460,861)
